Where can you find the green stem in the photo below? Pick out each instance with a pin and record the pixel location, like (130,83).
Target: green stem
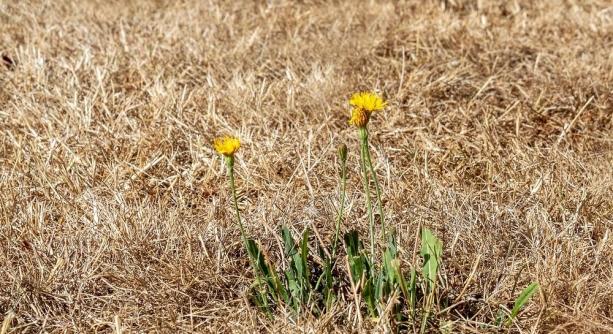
(230,166)
(342,208)
(375,179)
(252,260)
(363,149)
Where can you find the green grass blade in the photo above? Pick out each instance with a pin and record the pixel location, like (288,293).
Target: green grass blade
(304,255)
(522,300)
(412,292)
(328,291)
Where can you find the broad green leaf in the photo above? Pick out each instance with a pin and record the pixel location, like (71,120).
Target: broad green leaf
(352,243)
(297,274)
(289,246)
(358,264)
(431,251)
(257,257)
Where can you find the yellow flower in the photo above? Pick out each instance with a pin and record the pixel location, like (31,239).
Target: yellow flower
(227,145)
(359,117)
(367,101)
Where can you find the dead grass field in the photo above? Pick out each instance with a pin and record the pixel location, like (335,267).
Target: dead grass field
(114,206)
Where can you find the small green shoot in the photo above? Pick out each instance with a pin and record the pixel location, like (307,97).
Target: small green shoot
(523,298)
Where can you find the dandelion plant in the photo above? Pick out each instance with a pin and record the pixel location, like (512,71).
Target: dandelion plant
(364,104)
(264,272)
(312,282)
(227,146)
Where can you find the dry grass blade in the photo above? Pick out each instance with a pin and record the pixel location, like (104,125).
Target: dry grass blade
(6,323)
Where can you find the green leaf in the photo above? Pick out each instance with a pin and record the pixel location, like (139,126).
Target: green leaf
(522,300)
(392,247)
(358,263)
(352,243)
(266,270)
(298,273)
(432,252)
(328,291)
(289,249)
(257,257)
(402,282)
(379,286)
(390,269)
(388,257)
(368,293)
(325,282)
(357,268)
(298,267)
(289,246)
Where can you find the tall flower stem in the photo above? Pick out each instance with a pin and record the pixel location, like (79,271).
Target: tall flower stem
(252,261)
(343,159)
(375,179)
(230,167)
(363,161)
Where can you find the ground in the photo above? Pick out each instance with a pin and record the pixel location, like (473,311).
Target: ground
(115,211)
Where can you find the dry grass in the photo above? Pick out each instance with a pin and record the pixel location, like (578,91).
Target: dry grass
(114,207)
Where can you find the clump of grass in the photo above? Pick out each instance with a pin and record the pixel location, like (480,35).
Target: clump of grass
(400,299)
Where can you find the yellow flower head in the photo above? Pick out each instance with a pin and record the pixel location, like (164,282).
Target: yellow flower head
(227,145)
(359,117)
(367,101)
